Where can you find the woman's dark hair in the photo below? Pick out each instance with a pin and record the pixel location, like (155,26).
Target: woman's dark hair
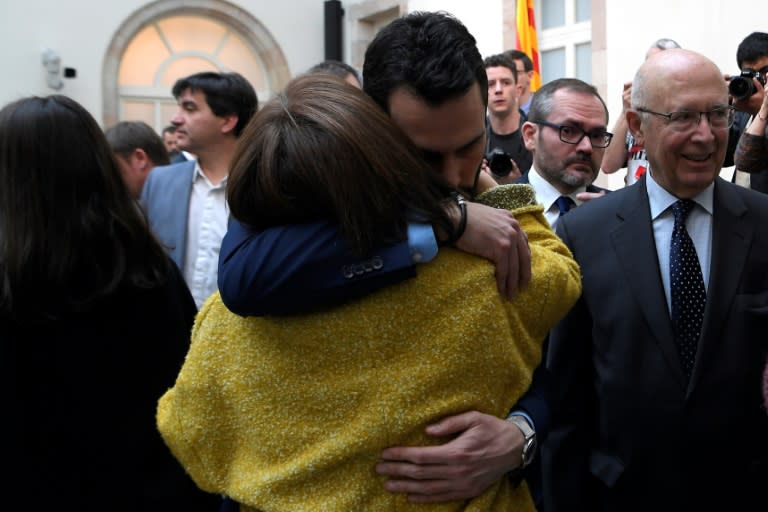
(70,235)
(322,150)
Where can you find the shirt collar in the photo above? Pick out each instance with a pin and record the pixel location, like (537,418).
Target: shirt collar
(199,175)
(660,199)
(546,194)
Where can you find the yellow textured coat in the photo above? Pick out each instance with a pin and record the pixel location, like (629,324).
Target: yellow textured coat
(291,413)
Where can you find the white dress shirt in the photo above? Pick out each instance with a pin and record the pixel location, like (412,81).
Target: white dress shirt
(546,195)
(206,226)
(698,224)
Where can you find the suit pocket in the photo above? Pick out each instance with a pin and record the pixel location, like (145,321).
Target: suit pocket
(605,467)
(755,304)
(751,317)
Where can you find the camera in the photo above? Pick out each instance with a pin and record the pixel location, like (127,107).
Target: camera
(499,162)
(742,86)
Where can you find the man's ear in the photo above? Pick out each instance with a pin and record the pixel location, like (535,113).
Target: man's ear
(140,161)
(230,122)
(530,131)
(635,126)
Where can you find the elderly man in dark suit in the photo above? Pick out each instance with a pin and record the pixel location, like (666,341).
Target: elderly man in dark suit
(657,369)
(566,132)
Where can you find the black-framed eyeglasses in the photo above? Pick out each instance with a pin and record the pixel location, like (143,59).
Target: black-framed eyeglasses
(684,121)
(574,134)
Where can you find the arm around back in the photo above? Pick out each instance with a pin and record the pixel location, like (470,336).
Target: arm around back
(293,268)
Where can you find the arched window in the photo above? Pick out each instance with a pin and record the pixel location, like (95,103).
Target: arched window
(171,39)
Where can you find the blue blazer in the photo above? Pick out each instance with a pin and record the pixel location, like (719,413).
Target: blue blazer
(294,268)
(165,199)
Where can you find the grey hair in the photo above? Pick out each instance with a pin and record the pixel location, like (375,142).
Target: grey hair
(665,44)
(639,95)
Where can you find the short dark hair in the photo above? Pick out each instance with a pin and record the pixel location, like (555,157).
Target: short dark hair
(127,136)
(171,128)
(501,60)
(521,56)
(542,105)
(754,47)
(335,68)
(225,94)
(62,194)
(324,151)
(431,53)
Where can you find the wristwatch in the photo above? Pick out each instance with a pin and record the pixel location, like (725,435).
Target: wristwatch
(529,436)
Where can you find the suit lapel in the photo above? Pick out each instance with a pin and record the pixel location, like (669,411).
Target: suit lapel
(732,234)
(640,265)
(181,213)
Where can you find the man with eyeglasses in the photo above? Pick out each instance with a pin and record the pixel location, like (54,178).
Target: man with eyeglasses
(656,371)
(566,132)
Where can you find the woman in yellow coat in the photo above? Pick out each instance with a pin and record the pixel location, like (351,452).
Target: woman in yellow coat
(292,413)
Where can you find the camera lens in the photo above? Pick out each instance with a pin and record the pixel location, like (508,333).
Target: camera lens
(741,87)
(499,162)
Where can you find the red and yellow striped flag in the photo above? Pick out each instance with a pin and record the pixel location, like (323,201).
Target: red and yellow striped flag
(526,41)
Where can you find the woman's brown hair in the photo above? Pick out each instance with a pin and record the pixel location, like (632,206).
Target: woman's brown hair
(323,150)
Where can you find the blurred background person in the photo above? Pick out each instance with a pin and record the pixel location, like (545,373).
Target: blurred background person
(185,202)
(506,157)
(171,144)
(524,67)
(94,323)
(625,152)
(752,151)
(747,92)
(138,149)
(169,139)
(339,69)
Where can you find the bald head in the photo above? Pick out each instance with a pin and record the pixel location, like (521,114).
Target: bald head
(680,114)
(663,72)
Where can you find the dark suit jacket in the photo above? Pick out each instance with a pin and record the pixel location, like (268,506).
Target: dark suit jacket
(80,423)
(628,431)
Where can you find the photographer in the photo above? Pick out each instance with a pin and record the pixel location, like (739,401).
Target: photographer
(748,92)
(506,157)
(752,151)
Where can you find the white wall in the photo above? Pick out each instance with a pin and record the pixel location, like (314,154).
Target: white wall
(483,19)
(711,27)
(80,31)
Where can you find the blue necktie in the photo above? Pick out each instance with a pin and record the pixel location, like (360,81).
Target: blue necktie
(564,203)
(687,288)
